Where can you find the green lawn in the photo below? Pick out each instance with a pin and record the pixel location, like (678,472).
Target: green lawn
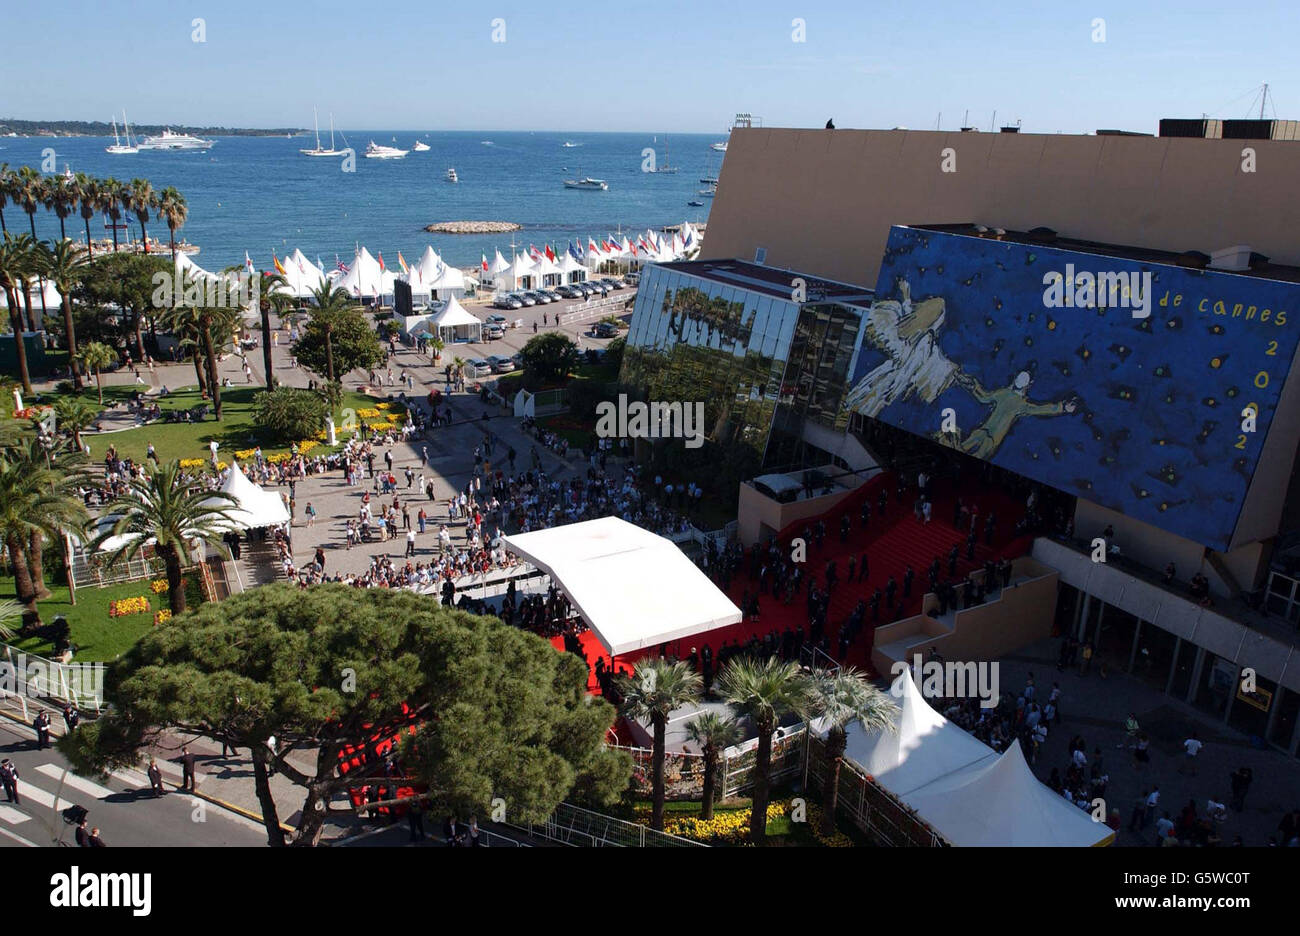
(97,636)
(190,440)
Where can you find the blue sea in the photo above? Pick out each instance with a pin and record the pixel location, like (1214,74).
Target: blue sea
(259,194)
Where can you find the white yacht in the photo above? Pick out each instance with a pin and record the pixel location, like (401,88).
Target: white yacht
(568,145)
(119,148)
(451,176)
(375,151)
(170,140)
(588,183)
(319,150)
(719,147)
(709,192)
(420,147)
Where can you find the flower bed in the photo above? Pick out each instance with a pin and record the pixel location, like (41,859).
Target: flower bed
(158,586)
(125,606)
(162,617)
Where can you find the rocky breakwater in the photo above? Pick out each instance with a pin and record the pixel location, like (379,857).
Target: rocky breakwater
(472,227)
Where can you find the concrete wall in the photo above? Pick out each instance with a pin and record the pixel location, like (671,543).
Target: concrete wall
(823,200)
(755,510)
(1019,616)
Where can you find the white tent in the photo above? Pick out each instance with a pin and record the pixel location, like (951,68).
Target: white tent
(423,272)
(364,279)
(1003,803)
(924,747)
(547,271)
(189,270)
(498,269)
(522,273)
(453,317)
(571,270)
(53,300)
(302,277)
(636,589)
(253,507)
(960,786)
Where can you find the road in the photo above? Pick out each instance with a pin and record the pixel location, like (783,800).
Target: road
(122,806)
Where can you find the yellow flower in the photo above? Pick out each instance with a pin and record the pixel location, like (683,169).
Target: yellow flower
(159,586)
(192,462)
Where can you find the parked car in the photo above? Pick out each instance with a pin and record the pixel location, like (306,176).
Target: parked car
(496,319)
(611,283)
(632,279)
(500,364)
(506,301)
(550,294)
(524,299)
(492,331)
(538,297)
(604,330)
(478,368)
(568,292)
(598,288)
(517,359)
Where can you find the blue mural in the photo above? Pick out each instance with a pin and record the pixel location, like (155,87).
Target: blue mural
(1140,414)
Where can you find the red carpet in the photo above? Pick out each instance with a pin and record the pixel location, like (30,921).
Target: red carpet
(892,543)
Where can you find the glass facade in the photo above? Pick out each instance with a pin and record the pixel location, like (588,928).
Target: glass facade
(756,361)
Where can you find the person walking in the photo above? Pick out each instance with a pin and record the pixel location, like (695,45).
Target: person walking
(71,717)
(311,514)
(83,833)
(1192,748)
(410,543)
(1241,778)
(9,779)
(96,840)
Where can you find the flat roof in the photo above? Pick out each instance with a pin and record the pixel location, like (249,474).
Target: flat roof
(634,588)
(773,281)
(1261,270)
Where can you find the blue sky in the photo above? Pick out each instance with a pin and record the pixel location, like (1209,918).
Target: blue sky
(647,65)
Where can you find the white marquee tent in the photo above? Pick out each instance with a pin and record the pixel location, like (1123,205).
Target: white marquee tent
(302,277)
(636,589)
(364,278)
(571,269)
(961,786)
(454,323)
(253,506)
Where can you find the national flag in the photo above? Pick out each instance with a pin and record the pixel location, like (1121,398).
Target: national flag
(534,252)
(248,263)
(342,267)
(402,263)
(381,261)
(275,261)
(484,263)
(550,254)
(591,246)
(319,265)
(690,238)
(300,267)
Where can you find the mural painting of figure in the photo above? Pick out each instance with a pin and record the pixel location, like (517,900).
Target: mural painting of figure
(914,365)
(1009,405)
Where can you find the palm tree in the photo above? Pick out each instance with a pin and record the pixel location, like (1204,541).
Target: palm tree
(141,199)
(30,193)
(96,355)
(654,691)
(36,500)
(841,698)
(112,195)
(72,414)
(714,733)
(172,512)
(61,198)
(183,321)
(173,209)
(330,300)
(89,201)
(66,264)
(764,691)
(197,327)
(14,263)
(8,181)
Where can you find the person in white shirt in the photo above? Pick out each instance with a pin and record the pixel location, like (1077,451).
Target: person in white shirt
(1193,747)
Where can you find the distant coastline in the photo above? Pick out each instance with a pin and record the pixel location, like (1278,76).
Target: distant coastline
(102,128)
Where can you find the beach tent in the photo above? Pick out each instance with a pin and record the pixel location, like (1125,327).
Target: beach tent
(453,323)
(253,507)
(364,279)
(546,271)
(1002,803)
(423,272)
(53,299)
(449,282)
(613,572)
(522,273)
(302,277)
(924,746)
(498,270)
(571,270)
(189,270)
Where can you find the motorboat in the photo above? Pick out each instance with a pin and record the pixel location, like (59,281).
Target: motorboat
(588,183)
(375,151)
(420,147)
(119,148)
(170,140)
(719,147)
(451,176)
(568,145)
(695,204)
(320,150)
(709,180)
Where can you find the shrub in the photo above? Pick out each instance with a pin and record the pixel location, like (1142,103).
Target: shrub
(288,413)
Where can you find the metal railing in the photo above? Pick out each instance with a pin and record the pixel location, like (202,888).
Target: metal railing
(88,574)
(581,828)
(33,676)
(586,311)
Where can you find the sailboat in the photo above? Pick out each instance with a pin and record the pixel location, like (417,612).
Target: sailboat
(119,148)
(666,168)
(320,150)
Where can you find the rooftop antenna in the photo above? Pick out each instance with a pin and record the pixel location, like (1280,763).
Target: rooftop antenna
(1263,98)
(993,124)
(938,120)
